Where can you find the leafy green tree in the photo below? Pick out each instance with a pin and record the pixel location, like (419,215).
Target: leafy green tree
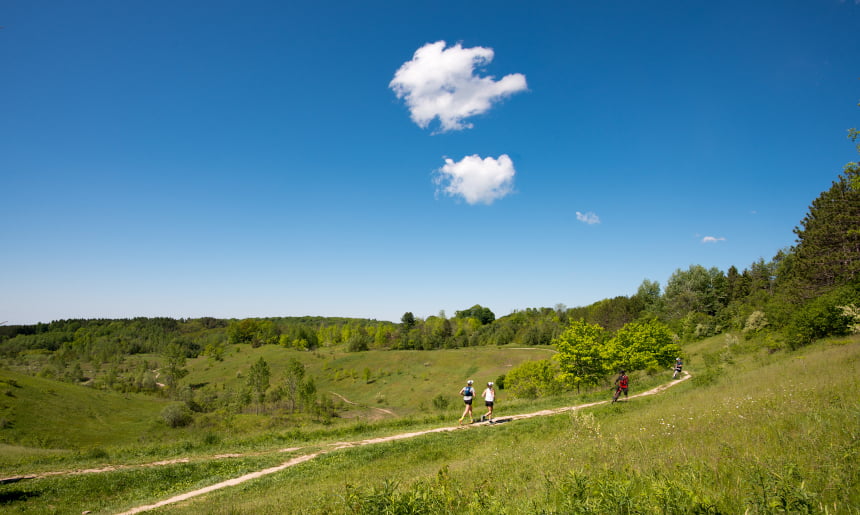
(242,331)
(358,340)
(258,378)
(293,378)
(648,296)
(478,312)
(267,333)
(308,394)
(615,312)
(174,366)
(643,345)
(581,354)
(823,316)
(533,379)
(695,289)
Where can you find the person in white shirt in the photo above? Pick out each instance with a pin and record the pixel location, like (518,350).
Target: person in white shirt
(489,400)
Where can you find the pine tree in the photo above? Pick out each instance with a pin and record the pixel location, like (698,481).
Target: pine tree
(827,253)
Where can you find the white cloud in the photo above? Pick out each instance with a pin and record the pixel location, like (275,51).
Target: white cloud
(477,180)
(712,239)
(589,218)
(440,82)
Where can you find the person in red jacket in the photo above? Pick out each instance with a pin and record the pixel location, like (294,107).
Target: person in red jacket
(621,383)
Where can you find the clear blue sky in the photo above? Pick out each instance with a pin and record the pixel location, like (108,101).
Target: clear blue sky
(365,159)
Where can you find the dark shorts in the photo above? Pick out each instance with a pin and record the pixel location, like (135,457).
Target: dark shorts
(623,390)
(468,402)
(488,404)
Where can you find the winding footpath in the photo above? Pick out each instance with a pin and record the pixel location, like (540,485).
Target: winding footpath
(332,447)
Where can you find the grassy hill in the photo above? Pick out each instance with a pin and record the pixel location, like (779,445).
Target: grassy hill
(44,414)
(753,431)
(41,418)
(403,382)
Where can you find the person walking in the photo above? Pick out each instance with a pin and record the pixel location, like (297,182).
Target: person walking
(678,366)
(621,386)
(489,398)
(468,394)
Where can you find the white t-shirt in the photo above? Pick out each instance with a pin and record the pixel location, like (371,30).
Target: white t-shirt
(489,395)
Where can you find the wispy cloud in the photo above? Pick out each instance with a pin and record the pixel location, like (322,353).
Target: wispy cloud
(712,239)
(589,218)
(476,180)
(440,82)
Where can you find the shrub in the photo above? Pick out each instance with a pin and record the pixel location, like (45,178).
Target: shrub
(176,415)
(822,317)
(440,402)
(755,323)
(533,379)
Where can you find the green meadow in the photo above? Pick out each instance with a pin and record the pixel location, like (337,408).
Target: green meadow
(753,431)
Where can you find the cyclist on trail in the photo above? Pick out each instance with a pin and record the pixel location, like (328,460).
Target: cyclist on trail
(621,386)
(489,399)
(678,366)
(468,393)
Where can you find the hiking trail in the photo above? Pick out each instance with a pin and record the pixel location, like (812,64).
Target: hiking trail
(332,447)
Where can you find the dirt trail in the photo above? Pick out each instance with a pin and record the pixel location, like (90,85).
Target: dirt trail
(344,399)
(333,447)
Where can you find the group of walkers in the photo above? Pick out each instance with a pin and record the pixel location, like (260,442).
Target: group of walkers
(468,393)
(622,383)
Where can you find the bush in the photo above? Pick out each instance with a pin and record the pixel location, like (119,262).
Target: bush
(822,317)
(440,402)
(177,415)
(533,379)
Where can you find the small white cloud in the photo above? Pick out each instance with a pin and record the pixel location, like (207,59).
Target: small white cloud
(712,239)
(589,218)
(477,180)
(440,82)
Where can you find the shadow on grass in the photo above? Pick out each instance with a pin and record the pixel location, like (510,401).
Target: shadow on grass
(14,496)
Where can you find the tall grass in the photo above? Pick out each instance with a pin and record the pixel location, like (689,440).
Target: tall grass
(767,433)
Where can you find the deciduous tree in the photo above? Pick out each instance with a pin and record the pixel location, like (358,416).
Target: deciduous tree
(581,354)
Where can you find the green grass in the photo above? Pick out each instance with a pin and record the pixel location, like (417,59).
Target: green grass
(404,381)
(769,433)
(48,424)
(765,433)
(43,414)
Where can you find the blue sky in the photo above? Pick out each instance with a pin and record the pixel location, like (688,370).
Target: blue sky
(365,159)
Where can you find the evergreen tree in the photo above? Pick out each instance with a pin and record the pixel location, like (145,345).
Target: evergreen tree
(827,252)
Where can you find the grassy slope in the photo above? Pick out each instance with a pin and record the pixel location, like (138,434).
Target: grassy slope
(768,428)
(46,414)
(404,382)
(41,417)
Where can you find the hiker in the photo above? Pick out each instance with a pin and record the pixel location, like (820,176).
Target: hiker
(621,384)
(678,366)
(489,397)
(468,393)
